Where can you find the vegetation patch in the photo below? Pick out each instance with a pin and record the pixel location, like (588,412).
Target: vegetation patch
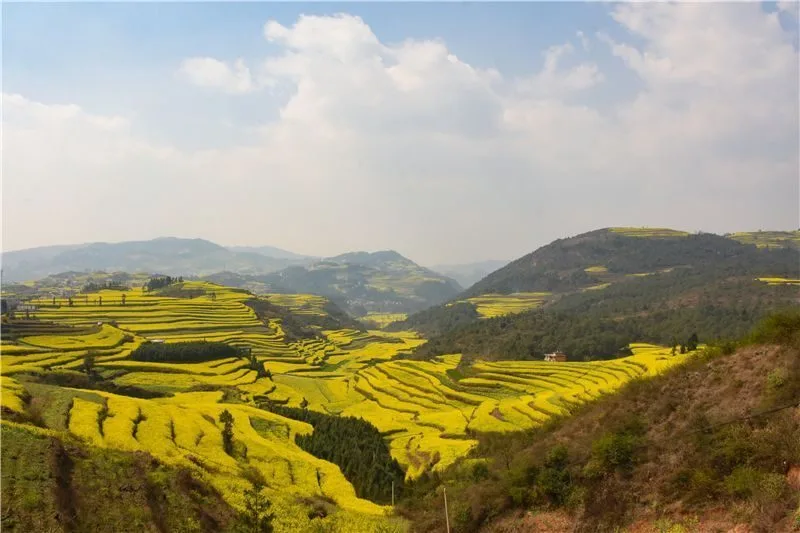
(183,352)
(356,446)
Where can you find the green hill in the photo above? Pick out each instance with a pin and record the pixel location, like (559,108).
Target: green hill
(601,290)
(609,255)
(360,282)
(769,239)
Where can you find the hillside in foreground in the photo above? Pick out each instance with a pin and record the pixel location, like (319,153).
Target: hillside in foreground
(711,445)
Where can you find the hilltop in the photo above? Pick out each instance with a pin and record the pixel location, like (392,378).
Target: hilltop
(362,283)
(610,254)
(596,292)
(165,255)
(768,239)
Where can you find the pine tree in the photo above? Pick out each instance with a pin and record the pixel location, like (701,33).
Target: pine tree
(226,418)
(691,344)
(256,517)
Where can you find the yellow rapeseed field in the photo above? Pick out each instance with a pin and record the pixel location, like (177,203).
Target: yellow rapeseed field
(428,409)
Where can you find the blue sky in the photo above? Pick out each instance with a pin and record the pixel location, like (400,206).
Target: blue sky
(531,115)
(119,58)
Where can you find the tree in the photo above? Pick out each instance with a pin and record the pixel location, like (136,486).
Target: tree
(691,344)
(4,305)
(226,418)
(256,517)
(100,301)
(88,364)
(123,299)
(69,301)
(304,404)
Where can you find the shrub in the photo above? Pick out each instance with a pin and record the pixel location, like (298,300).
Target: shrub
(743,482)
(776,379)
(553,480)
(780,328)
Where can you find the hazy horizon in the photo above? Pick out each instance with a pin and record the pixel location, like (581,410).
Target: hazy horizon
(452,133)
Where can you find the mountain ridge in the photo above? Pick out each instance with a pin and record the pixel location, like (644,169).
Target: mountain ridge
(603,287)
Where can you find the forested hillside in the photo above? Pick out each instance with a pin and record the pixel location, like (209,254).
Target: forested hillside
(566,264)
(605,288)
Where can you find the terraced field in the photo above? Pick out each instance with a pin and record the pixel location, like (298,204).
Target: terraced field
(649,232)
(382,320)
(494,305)
(429,411)
(780,281)
(768,239)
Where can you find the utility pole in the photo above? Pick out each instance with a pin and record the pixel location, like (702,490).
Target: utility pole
(392,493)
(446,516)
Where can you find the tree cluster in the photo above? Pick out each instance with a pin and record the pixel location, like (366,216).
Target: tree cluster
(356,446)
(184,352)
(161,282)
(94,286)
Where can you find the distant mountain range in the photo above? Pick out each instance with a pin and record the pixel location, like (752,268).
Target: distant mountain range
(467,274)
(361,282)
(165,255)
(269,251)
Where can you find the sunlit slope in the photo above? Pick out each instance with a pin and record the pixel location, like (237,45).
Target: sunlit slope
(780,281)
(769,239)
(494,305)
(429,411)
(431,408)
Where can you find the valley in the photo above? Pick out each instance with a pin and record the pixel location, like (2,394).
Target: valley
(224,384)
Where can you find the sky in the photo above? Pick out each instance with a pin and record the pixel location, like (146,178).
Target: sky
(450,132)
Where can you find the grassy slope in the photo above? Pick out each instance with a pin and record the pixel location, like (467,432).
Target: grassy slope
(689,464)
(51,484)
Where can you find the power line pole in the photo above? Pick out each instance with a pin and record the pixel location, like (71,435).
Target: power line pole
(446,516)
(392,493)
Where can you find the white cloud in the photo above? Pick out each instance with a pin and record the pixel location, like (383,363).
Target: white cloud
(210,72)
(406,145)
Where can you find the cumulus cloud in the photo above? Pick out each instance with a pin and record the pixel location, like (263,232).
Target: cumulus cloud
(210,72)
(408,146)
